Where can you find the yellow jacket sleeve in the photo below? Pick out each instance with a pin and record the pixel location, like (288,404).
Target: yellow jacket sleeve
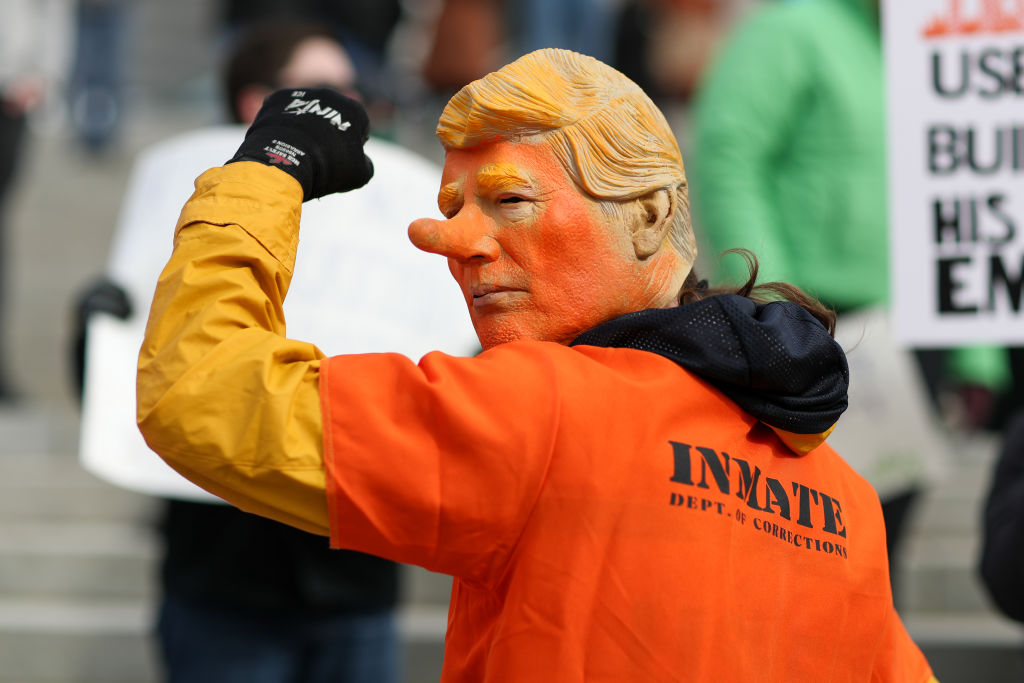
(222,395)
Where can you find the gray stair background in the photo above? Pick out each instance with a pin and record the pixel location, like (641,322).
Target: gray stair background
(77,556)
(77,581)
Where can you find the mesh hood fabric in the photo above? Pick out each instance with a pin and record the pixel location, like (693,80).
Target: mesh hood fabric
(775,360)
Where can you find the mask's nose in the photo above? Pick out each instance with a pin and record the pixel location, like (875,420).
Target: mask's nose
(461,238)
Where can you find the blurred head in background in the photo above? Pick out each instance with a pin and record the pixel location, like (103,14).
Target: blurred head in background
(268,57)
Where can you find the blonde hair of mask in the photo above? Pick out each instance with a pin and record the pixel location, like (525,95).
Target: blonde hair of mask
(605,131)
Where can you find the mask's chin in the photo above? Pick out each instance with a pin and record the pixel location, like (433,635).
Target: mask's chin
(500,328)
(491,333)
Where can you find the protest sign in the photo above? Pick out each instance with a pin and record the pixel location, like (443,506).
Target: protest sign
(955,86)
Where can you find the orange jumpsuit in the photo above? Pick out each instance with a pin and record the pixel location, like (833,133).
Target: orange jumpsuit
(606,514)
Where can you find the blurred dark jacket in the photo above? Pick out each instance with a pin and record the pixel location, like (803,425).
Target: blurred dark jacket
(1002,554)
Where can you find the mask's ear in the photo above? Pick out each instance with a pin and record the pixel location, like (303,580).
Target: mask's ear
(652,221)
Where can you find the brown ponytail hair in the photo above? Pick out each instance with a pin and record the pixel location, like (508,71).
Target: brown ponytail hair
(695,289)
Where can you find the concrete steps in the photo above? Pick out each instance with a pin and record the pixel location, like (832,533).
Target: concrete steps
(78,580)
(76,574)
(65,639)
(969,648)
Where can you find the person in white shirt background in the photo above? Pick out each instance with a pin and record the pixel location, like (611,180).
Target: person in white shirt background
(244,598)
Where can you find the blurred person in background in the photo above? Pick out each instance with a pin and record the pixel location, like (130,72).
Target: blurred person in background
(96,93)
(465,40)
(789,151)
(244,598)
(363,27)
(35,56)
(1002,547)
(437,47)
(585,26)
(664,45)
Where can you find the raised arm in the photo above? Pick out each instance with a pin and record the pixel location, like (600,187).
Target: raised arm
(223,396)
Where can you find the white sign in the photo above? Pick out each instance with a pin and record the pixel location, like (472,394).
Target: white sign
(955,82)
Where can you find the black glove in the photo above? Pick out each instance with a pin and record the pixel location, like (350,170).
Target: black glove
(315,135)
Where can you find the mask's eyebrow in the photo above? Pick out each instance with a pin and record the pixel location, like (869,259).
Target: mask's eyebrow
(449,196)
(502,177)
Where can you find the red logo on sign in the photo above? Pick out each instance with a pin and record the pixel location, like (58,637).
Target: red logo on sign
(990,16)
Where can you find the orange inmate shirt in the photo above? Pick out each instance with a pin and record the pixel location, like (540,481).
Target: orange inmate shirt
(607,516)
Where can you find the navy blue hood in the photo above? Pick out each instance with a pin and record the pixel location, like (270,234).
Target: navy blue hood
(775,360)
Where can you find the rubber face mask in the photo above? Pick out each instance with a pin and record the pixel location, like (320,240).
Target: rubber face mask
(534,256)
